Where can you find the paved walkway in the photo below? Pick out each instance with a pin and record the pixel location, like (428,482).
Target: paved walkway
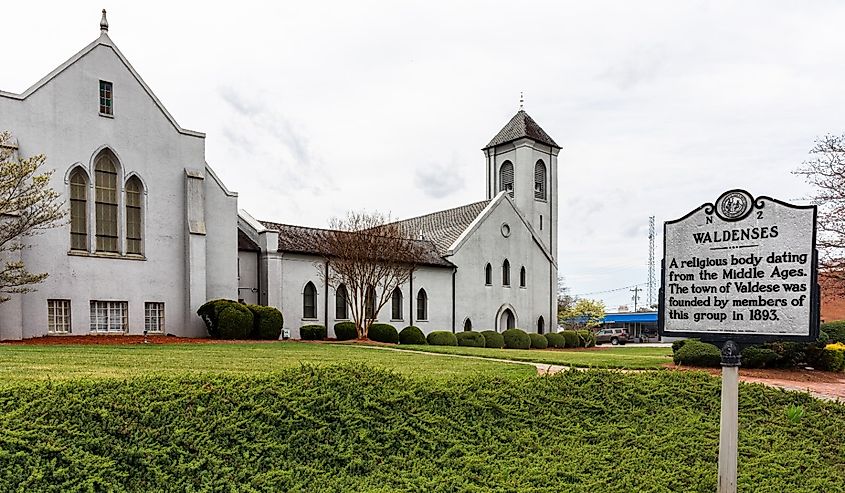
(831,391)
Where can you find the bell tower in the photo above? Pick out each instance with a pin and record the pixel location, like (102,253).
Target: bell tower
(522,161)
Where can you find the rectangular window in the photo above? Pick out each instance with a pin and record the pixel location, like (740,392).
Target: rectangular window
(58,316)
(106,101)
(154,317)
(109,316)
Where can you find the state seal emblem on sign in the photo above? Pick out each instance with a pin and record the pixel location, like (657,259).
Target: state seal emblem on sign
(734,205)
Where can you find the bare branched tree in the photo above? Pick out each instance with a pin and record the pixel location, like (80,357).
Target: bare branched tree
(825,170)
(371,257)
(28,205)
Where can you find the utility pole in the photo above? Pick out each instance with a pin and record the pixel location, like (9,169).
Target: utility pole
(636,298)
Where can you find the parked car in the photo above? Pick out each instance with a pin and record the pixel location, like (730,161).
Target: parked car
(613,336)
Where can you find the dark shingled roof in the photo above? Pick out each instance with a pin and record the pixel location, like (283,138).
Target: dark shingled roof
(521,126)
(444,227)
(310,241)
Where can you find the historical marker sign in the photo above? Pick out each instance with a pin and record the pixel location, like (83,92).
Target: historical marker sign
(744,269)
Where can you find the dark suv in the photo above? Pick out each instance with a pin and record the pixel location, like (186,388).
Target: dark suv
(613,336)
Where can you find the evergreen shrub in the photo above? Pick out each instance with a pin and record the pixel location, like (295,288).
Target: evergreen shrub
(411,335)
(312,332)
(556,340)
(345,331)
(493,339)
(516,339)
(586,338)
(758,357)
(835,330)
(571,338)
(383,333)
(538,341)
(442,338)
(697,353)
(267,322)
(470,338)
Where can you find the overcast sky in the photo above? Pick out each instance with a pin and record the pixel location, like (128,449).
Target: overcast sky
(314,108)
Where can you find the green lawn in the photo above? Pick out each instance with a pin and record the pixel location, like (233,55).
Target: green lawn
(635,358)
(20,363)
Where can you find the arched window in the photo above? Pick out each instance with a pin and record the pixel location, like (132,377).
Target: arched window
(467,325)
(506,273)
(78,210)
(522,277)
(309,301)
(370,303)
(105,181)
(541,325)
(488,275)
(341,305)
(422,305)
(506,178)
(396,305)
(540,180)
(134,226)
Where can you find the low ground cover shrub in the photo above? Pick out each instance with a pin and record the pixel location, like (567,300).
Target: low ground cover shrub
(345,331)
(412,335)
(267,322)
(538,341)
(556,340)
(470,338)
(586,338)
(442,338)
(226,319)
(571,338)
(516,339)
(383,333)
(697,353)
(493,339)
(312,332)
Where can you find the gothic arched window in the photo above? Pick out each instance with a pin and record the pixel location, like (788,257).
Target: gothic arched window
(78,210)
(488,275)
(370,303)
(540,180)
(422,305)
(506,273)
(506,178)
(522,277)
(134,226)
(396,305)
(309,301)
(341,305)
(541,325)
(106,212)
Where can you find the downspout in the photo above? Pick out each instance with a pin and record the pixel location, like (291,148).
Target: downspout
(326,298)
(411,299)
(454,271)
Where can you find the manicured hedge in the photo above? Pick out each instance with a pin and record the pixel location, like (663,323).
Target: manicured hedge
(697,353)
(571,338)
(493,339)
(586,338)
(538,341)
(383,333)
(556,340)
(226,319)
(412,335)
(835,330)
(758,357)
(267,322)
(442,338)
(312,332)
(470,338)
(516,339)
(345,331)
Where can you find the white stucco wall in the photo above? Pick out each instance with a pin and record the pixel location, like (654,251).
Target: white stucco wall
(61,120)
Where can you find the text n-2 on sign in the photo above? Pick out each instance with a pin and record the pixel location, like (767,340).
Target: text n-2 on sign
(742,269)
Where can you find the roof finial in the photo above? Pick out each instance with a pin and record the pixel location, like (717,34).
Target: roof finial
(521,101)
(104,23)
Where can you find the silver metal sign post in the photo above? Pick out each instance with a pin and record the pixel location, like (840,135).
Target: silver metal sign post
(729,423)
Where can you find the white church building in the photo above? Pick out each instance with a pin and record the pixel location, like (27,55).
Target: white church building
(153,233)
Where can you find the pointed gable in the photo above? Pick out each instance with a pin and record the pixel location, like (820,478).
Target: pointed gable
(521,126)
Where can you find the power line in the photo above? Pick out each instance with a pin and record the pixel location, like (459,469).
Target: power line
(611,290)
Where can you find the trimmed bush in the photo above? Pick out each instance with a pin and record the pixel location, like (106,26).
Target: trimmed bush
(538,341)
(345,331)
(832,360)
(516,339)
(571,338)
(442,338)
(493,339)
(835,331)
(267,322)
(471,339)
(586,338)
(312,332)
(697,353)
(411,335)
(383,333)
(226,319)
(758,357)
(556,340)
(678,345)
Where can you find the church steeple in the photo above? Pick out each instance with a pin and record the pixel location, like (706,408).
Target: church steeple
(104,23)
(519,127)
